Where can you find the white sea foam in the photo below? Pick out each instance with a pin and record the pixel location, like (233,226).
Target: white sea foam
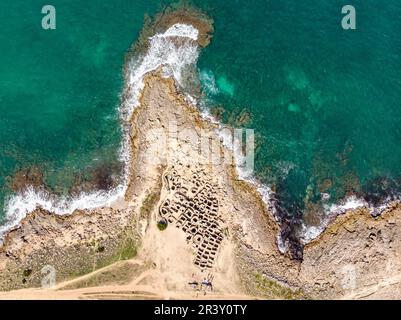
(209,81)
(349,204)
(310,233)
(180,30)
(162,52)
(18,206)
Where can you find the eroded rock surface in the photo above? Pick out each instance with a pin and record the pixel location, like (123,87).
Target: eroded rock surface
(355,257)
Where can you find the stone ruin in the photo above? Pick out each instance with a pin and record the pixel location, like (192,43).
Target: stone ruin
(192,205)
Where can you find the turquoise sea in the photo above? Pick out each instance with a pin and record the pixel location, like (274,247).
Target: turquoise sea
(325,103)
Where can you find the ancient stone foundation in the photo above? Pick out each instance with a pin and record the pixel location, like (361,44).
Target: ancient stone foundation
(192,205)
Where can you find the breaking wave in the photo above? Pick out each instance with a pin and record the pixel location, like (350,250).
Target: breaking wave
(310,233)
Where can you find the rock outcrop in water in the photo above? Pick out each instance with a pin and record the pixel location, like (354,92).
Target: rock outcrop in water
(25,178)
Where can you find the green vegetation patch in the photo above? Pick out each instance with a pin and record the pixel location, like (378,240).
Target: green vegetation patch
(274,290)
(148,204)
(162,224)
(128,249)
(119,274)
